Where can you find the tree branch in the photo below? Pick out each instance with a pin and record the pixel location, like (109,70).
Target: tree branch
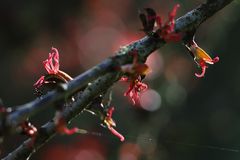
(108,76)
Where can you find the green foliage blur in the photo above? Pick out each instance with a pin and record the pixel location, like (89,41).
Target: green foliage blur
(182,117)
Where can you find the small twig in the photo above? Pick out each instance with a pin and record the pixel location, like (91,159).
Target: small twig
(144,46)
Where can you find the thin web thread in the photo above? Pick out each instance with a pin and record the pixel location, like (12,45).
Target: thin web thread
(150,140)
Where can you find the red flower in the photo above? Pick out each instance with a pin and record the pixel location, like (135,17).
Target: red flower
(135,88)
(166,31)
(52,67)
(200,57)
(135,72)
(109,122)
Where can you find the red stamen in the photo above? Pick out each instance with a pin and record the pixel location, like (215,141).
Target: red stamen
(134,89)
(130,88)
(39,82)
(48,63)
(110,123)
(203,72)
(51,65)
(116,133)
(110,112)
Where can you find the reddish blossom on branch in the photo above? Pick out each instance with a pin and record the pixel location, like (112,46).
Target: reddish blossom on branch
(200,57)
(109,122)
(52,67)
(135,72)
(165,31)
(134,89)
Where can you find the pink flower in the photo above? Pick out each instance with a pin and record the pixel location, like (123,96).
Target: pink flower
(51,65)
(54,73)
(135,72)
(110,124)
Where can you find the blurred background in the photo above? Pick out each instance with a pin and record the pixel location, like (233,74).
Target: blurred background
(181,117)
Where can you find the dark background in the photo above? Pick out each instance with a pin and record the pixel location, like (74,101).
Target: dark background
(182,117)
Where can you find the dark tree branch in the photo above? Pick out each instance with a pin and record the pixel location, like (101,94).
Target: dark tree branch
(107,74)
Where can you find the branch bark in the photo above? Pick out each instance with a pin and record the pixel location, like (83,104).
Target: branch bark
(104,75)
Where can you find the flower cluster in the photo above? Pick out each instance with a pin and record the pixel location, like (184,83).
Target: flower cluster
(136,86)
(135,72)
(164,30)
(52,67)
(200,57)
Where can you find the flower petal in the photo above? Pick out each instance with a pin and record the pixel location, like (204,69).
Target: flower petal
(201,54)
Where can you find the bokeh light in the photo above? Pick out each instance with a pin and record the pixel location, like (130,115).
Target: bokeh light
(150,100)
